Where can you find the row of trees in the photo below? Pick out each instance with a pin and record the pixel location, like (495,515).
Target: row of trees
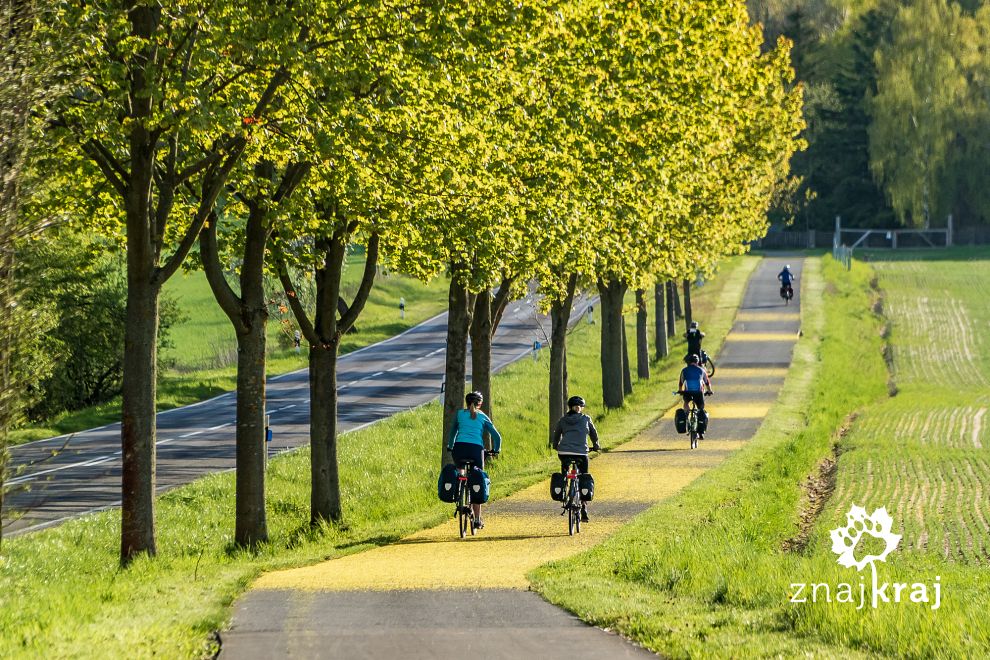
(896,106)
(576,145)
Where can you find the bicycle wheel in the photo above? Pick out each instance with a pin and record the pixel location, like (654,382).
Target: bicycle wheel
(573,508)
(710,366)
(464,512)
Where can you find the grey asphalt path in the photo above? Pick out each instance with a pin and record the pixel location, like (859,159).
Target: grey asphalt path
(59,478)
(498,624)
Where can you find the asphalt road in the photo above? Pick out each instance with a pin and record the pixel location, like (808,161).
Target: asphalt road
(59,478)
(433,595)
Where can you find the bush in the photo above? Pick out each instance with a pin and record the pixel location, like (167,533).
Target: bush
(82,290)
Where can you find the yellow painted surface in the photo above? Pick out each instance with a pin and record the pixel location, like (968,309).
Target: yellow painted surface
(767,316)
(724,373)
(736,410)
(788,336)
(521,532)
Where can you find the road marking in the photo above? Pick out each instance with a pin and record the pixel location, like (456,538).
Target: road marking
(516,310)
(789,335)
(377,374)
(189,435)
(439,350)
(219,426)
(392,369)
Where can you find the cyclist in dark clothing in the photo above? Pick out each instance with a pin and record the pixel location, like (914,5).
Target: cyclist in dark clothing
(694,336)
(570,439)
(786,278)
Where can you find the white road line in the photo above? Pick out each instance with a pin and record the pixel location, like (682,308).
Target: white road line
(291,405)
(376,375)
(516,310)
(392,369)
(439,350)
(189,435)
(404,364)
(218,426)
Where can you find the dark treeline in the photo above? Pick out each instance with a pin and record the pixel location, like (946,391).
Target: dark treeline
(897,105)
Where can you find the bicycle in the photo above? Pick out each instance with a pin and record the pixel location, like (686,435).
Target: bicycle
(787,293)
(572,499)
(462,510)
(692,420)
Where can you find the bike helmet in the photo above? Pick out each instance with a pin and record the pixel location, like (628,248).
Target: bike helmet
(575,401)
(787,267)
(474,397)
(693,359)
(694,325)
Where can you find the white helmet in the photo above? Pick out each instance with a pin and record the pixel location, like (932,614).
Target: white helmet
(787,267)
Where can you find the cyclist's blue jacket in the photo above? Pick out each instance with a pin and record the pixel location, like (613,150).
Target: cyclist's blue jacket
(785,276)
(693,378)
(471,431)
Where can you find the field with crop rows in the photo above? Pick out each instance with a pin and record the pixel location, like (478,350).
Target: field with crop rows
(923,453)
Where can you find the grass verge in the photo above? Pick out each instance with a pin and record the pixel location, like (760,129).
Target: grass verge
(706,573)
(65,596)
(204,353)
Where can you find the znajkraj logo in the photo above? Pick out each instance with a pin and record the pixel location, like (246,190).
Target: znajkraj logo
(844,543)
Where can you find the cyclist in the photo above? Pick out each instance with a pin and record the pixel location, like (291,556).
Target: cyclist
(570,439)
(694,385)
(466,441)
(694,336)
(786,278)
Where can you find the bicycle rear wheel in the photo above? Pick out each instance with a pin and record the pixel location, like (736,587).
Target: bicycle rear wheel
(464,512)
(710,367)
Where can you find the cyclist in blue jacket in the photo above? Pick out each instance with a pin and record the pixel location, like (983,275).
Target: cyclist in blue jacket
(694,384)
(786,278)
(466,441)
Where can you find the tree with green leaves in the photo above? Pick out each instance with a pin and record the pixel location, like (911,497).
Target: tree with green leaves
(922,86)
(167,99)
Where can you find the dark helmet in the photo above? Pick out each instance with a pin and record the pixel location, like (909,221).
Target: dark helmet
(474,397)
(575,401)
(693,359)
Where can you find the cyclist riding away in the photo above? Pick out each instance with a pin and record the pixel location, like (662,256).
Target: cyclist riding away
(694,385)
(467,443)
(694,336)
(570,439)
(786,278)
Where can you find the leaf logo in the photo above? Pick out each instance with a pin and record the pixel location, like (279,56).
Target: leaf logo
(845,539)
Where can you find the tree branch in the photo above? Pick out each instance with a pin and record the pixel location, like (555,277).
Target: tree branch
(364,290)
(229,302)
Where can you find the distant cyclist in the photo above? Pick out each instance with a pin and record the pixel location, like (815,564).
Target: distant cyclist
(786,278)
(694,335)
(466,441)
(570,439)
(694,385)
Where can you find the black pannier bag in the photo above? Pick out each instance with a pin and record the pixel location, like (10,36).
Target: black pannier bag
(557,483)
(680,420)
(479,486)
(447,484)
(586,484)
(702,421)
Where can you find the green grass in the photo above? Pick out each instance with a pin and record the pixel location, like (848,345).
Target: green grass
(716,582)
(204,352)
(65,596)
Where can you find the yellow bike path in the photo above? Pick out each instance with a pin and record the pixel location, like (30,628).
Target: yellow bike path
(522,531)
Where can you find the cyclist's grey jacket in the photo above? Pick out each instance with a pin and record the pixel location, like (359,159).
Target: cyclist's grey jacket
(572,432)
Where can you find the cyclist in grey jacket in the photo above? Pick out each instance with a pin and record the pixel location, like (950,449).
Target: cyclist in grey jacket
(570,439)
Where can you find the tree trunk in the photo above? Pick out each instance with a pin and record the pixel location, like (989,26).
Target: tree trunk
(459,306)
(481,353)
(627,386)
(642,337)
(687,305)
(612,293)
(250,523)
(560,316)
(323,335)
(671,321)
(137,429)
(325,505)
(660,328)
(678,310)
